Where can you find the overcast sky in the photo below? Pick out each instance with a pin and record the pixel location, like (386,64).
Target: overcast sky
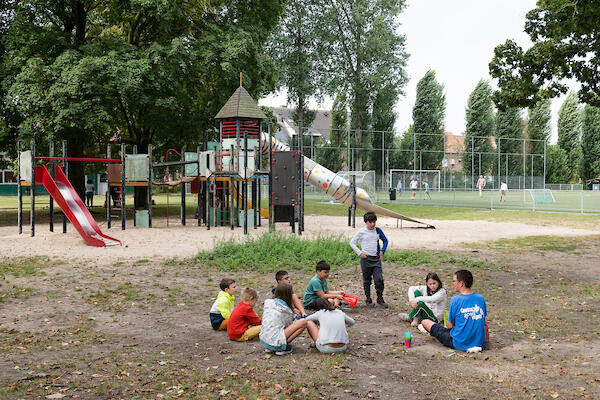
(457,40)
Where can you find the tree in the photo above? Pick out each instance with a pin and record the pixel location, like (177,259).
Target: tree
(329,155)
(294,47)
(590,143)
(478,132)
(383,119)
(428,122)
(509,132)
(566,45)
(557,165)
(569,134)
(362,52)
(538,131)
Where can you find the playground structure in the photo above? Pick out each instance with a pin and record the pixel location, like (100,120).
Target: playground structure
(220,176)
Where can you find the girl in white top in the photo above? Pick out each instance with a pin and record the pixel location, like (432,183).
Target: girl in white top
(427,302)
(332,336)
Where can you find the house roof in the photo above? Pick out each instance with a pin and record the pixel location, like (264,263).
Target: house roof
(319,128)
(240,105)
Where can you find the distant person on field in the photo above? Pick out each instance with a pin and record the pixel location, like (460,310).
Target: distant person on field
(243,322)
(413,187)
(426,302)
(503,191)
(317,287)
(331,333)
(480,185)
(399,186)
(223,305)
(284,277)
(426,185)
(466,318)
(371,256)
(89,193)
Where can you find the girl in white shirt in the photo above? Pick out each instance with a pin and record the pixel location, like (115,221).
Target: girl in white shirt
(332,335)
(427,302)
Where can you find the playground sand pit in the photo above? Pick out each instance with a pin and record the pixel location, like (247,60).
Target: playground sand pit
(131,322)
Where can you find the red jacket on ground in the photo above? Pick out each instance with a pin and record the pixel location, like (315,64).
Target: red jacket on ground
(241,317)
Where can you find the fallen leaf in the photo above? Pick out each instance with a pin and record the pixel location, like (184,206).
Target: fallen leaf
(553,394)
(55,396)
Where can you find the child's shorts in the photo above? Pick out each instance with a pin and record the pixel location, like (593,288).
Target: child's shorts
(215,320)
(324,348)
(273,348)
(442,334)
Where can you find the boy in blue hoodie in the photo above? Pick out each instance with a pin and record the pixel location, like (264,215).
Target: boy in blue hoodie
(371,256)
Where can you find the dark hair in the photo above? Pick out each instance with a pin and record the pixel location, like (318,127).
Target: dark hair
(370,217)
(435,277)
(323,304)
(225,283)
(464,276)
(280,274)
(284,292)
(323,265)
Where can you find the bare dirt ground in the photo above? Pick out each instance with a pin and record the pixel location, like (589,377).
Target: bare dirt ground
(131,322)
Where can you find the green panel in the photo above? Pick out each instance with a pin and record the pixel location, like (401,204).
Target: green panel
(213,145)
(136,168)
(142,218)
(191,169)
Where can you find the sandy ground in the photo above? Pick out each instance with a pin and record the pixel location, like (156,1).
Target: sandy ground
(185,241)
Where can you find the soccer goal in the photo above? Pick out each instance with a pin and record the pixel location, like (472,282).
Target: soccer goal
(364,179)
(541,196)
(432,176)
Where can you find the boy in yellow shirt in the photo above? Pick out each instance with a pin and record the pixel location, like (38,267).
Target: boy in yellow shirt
(223,305)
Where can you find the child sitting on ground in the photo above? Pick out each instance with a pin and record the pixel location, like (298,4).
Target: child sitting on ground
(317,287)
(332,336)
(278,325)
(243,323)
(284,277)
(427,302)
(223,305)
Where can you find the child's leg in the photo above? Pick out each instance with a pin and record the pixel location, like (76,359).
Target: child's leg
(295,329)
(411,314)
(425,312)
(223,326)
(378,278)
(297,305)
(366,275)
(313,330)
(250,334)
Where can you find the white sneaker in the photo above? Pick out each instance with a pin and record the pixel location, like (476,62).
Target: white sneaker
(416,321)
(287,350)
(475,349)
(404,316)
(423,330)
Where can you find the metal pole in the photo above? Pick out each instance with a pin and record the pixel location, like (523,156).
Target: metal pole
(32,191)
(51,151)
(499,160)
(348,165)
(414,153)
(259,168)
(198,201)
(544,176)
(245,184)
(446,161)
(231,202)
(108,192)
(300,178)
(19,189)
(150,170)
(472,166)
(270,197)
(353,201)
(383,161)
(66,167)
(524,165)
(183,187)
(123,186)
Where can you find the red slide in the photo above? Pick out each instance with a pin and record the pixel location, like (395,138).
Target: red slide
(70,203)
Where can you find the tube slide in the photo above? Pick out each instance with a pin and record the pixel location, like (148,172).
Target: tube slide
(334,185)
(70,203)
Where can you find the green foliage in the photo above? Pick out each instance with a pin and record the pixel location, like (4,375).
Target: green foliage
(428,118)
(569,134)
(538,131)
(479,128)
(362,53)
(590,143)
(557,165)
(509,129)
(383,120)
(565,46)
(327,155)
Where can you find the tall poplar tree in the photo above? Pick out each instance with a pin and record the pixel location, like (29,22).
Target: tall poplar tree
(569,134)
(509,134)
(429,112)
(538,130)
(332,158)
(383,119)
(362,53)
(590,143)
(478,132)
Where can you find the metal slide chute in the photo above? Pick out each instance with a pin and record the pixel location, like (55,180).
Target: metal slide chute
(333,184)
(70,203)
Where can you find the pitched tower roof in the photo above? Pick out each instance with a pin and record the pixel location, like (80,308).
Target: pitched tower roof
(240,105)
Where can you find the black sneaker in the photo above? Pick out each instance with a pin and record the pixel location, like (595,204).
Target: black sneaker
(382,303)
(369,302)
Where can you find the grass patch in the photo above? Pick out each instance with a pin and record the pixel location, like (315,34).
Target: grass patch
(24,266)
(541,244)
(15,292)
(125,292)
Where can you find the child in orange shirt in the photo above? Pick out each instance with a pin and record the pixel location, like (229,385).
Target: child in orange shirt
(243,323)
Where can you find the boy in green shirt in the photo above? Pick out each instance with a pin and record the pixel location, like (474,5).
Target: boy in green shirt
(317,287)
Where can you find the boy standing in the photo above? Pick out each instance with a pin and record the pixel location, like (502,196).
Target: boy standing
(503,191)
(243,323)
(480,185)
(317,287)
(413,187)
(426,185)
(284,277)
(371,256)
(223,305)
(466,317)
